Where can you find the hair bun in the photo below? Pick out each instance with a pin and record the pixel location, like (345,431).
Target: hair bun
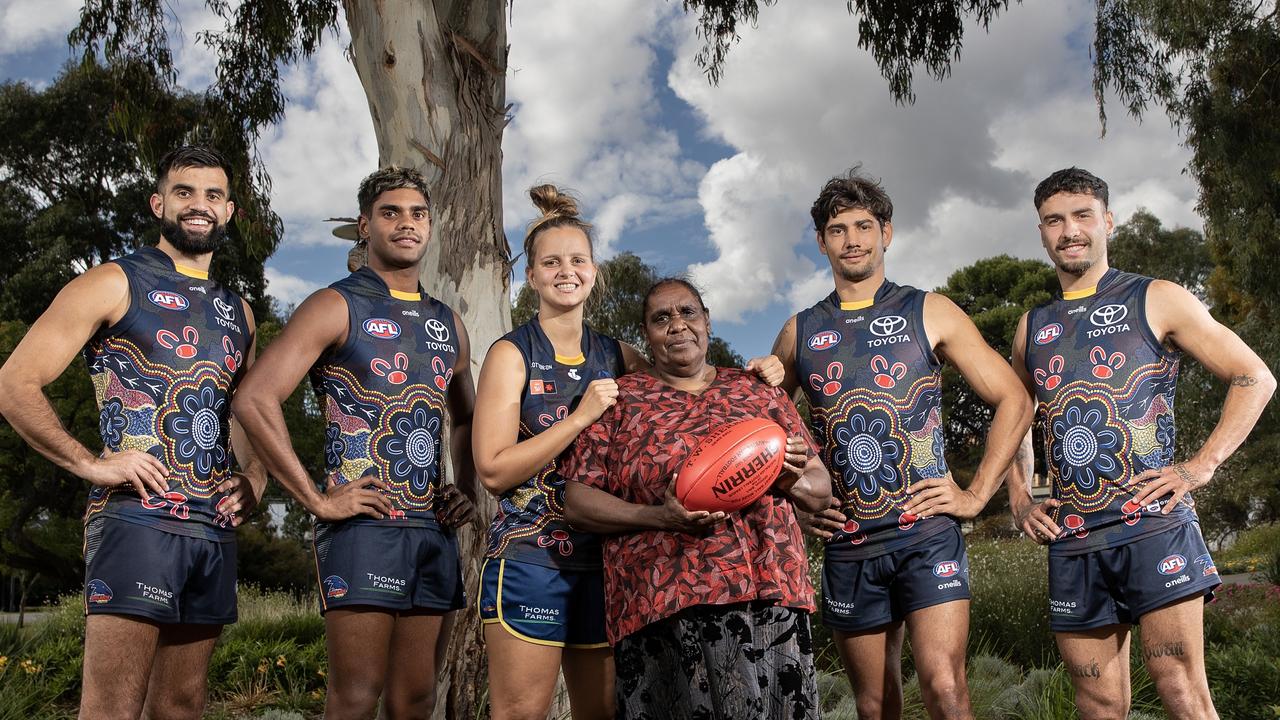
(553,203)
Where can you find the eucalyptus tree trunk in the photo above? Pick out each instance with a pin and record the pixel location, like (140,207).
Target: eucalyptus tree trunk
(433,73)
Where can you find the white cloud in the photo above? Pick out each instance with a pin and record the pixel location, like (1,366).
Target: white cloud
(803,103)
(27,24)
(322,148)
(586,115)
(288,289)
(751,213)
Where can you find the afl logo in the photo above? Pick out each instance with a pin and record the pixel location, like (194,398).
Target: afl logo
(1172,565)
(1048,333)
(946,568)
(382,328)
(168,300)
(888,325)
(437,330)
(824,340)
(1108,315)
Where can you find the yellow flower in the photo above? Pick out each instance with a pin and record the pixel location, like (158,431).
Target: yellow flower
(4,662)
(30,667)
(263,665)
(279,661)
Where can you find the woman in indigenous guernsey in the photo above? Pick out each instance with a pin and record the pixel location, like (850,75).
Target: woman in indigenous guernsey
(708,612)
(542,592)
(542,597)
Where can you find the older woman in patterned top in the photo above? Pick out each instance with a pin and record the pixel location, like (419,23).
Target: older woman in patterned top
(708,611)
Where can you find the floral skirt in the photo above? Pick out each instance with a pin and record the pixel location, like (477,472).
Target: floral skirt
(747,661)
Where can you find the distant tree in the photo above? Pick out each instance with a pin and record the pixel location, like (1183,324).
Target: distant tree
(77,177)
(994,292)
(616,307)
(1143,245)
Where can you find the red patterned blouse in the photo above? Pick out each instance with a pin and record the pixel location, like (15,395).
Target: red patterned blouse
(633,451)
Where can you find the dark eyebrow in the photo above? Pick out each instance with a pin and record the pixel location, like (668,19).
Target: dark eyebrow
(834,226)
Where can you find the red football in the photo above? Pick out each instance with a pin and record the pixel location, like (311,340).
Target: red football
(732,466)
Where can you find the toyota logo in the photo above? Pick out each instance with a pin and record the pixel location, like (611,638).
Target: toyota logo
(888,325)
(228,312)
(1108,315)
(437,330)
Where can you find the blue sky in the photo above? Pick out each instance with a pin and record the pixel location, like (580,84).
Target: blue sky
(718,179)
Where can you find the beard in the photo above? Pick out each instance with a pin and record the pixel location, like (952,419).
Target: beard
(190,243)
(1076,267)
(857,274)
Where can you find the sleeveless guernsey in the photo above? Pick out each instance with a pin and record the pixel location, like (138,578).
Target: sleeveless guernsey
(383,393)
(1104,388)
(530,525)
(163,377)
(875,389)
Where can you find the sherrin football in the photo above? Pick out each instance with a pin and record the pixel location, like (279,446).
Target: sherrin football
(732,466)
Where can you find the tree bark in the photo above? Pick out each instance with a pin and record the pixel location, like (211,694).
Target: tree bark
(434,76)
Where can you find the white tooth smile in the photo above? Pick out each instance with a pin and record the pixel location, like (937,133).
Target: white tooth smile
(566,286)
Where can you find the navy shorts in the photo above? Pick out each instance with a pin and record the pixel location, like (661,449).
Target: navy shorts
(859,595)
(1117,586)
(398,568)
(543,605)
(132,569)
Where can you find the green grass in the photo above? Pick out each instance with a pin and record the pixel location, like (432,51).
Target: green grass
(271,665)
(1252,551)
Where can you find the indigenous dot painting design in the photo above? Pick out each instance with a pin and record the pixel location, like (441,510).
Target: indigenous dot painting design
(1092,448)
(180,416)
(394,438)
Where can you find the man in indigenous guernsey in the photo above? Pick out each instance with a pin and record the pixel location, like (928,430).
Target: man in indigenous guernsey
(166,347)
(869,359)
(385,360)
(1124,543)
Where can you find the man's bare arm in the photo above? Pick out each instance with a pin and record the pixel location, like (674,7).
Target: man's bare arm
(1030,517)
(318,324)
(244,488)
(453,510)
(958,341)
(784,348)
(96,299)
(1177,316)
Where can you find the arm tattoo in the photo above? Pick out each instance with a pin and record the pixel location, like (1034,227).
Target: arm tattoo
(1184,474)
(1244,381)
(1084,671)
(1169,649)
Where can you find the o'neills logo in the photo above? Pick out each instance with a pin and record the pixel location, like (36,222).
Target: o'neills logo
(745,473)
